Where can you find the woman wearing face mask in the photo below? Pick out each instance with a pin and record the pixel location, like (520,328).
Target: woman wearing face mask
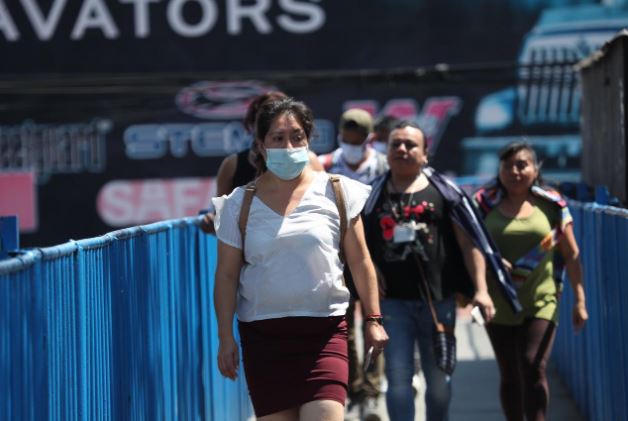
(286,283)
(532,227)
(240,168)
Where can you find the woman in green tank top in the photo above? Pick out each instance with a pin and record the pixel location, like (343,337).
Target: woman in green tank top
(532,228)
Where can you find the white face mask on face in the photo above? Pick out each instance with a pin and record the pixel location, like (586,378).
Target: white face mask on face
(352,153)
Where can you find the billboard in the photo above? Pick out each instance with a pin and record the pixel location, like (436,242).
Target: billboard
(124,109)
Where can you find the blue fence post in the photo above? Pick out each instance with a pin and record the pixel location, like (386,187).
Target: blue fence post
(115,327)
(594,364)
(206,265)
(582,192)
(9,235)
(602,195)
(616,322)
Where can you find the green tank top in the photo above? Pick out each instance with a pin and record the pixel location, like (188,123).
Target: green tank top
(515,237)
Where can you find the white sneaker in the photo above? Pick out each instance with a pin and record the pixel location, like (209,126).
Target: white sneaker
(416,384)
(383,387)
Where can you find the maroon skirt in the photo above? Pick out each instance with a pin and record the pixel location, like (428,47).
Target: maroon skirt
(294,360)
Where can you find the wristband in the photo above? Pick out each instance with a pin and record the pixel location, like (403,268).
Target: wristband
(375,319)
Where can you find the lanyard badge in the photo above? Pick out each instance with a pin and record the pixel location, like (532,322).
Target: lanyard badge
(404,232)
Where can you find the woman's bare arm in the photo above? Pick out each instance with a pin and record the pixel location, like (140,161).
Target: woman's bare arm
(476,266)
(363,273)
(568,247)
(225,293)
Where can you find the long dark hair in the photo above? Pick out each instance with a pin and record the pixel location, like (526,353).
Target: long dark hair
(251,116)
(272,110)
(256,104)
(514,148)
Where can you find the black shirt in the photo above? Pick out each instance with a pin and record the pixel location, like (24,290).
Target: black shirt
(245,172)
(425,211)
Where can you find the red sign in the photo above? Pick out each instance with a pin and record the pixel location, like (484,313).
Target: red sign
(18,197)
(134,202)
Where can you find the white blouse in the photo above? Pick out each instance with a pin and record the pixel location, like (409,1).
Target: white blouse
(292,268)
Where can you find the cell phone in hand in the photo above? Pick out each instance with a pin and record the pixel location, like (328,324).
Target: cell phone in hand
(368,359)
(477,316)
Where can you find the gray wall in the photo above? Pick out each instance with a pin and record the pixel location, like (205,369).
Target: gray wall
(604,102)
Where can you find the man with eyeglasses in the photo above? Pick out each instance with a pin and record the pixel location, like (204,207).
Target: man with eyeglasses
(357,159)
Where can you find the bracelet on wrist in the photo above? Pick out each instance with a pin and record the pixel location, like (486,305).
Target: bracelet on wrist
(375,319)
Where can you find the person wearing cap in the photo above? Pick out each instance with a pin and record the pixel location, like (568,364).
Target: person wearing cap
(356,159)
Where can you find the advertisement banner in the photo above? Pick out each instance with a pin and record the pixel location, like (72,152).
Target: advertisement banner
(123,109)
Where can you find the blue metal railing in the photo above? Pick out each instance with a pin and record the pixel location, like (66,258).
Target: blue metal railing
(594,363)
(121,327)
(118,327)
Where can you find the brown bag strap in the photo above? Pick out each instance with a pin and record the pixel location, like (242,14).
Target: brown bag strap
(342,211)
(249,192)
(439,326)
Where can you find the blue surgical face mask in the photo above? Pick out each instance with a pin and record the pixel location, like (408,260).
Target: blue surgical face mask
(285,163)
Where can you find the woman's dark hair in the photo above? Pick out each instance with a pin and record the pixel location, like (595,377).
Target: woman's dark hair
(271,110)
(515,147)
(255,105)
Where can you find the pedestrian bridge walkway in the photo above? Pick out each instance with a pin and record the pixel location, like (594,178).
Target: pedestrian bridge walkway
(476,383)
(121,327)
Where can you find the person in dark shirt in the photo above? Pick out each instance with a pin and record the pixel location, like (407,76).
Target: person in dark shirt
(408,225)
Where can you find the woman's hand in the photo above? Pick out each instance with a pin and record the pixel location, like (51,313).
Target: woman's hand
(225,297)
(580,316)
(568,247)
(484,301)
(228,358)
(207,224)
(376,337)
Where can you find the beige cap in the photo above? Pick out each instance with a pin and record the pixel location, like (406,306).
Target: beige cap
(357,119)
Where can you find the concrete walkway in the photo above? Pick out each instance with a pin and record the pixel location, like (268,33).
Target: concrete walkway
(476,382)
